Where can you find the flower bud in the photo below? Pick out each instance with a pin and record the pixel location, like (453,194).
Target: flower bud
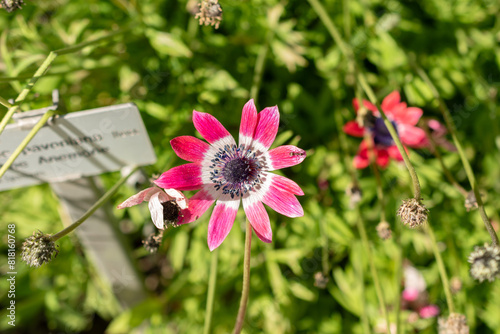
(485,263)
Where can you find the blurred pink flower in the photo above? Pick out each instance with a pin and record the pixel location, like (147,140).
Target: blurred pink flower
(428,311)
(438,132)
(227,173)
(402,117)
(158,199)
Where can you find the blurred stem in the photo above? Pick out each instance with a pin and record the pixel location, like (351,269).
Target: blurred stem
(468,169)
(442,270)
(438,155)
(5,103)
(373,270)
(94,207)
(259,66)
(358,266)
(43,68)
(399,277)
(347,18)
(324,250)
(246,280)
(211,291)
(372,157)
(346,50)
(26,141)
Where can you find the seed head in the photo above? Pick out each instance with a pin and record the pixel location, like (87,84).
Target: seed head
(485,263)
(38,249)
(455,324)
(153,242)
(320,280)
(355,194)
(384,230)
(210,13)
(413,213)
(11,5)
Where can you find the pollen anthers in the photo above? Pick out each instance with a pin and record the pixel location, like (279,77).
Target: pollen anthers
(235,170)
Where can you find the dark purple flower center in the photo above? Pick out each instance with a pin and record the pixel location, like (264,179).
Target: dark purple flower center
(381,135)
(236,170)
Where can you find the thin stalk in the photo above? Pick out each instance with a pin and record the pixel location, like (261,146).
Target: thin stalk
(324,249)
(43,68)
(5,103)
(346,50)
(442,270)
(380,191)
(468,169)
(438,155)
(371,96)
(399,277)
(245,291)
(211,291)
(93,208)
(25,141)
(259,66)
(373,270)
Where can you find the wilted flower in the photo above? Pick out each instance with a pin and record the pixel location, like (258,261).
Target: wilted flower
(11,5)
(153,242)
(320,280)
(455,324)
(413,213)
(165,205)
(485,263)
(384,230)
(38,249)
(210,13)
(228,173)
(403,119)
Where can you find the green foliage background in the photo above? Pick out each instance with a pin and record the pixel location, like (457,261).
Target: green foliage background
(169,65)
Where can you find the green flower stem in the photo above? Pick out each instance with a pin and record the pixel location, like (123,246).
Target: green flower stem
(25,141)
(43,68)
(5,103)
(211,291)
(442,270)
(246,280)
(399,277)
(373,165)
(373,270)
(346,50)
(438,155)
(468,169)
(94,207)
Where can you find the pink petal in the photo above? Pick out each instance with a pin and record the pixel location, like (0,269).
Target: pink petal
(189,148)
(391,101)
(198,204)
(411,135)
(209,127)
(367,104)
(179,197)
(429,311)
(285,184)
(394,153)
(221,221)
(283,202)
(267,127)
(352,128)
(156,210)
(410,294)
(286,156)
(410,115)
(259,219)
(140,197)
(438,128)
(248,123)
(382,157)
(183,177)
(360,162)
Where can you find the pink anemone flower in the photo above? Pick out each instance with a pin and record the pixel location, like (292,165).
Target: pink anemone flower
(402,117)
(165,205)
(227,173)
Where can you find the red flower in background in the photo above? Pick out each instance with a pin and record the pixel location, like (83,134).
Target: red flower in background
(404,120)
